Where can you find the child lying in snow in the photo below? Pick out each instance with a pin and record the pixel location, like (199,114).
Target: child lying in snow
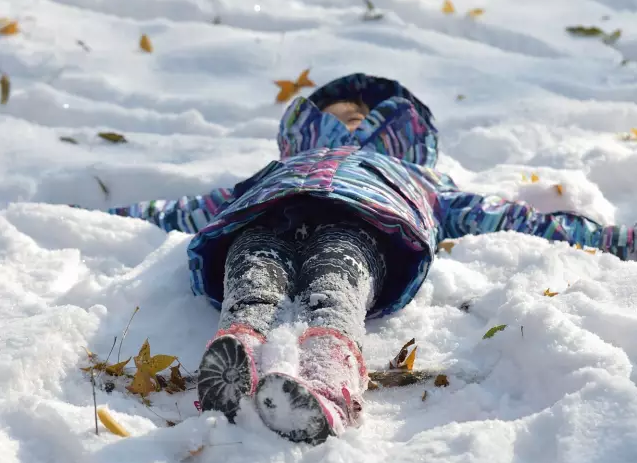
(346,224)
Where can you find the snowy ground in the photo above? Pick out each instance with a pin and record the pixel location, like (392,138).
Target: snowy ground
(199,112)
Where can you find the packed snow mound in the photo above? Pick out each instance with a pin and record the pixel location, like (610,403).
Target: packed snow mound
(515,98)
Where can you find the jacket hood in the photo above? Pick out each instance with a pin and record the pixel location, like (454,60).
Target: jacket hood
(398,124)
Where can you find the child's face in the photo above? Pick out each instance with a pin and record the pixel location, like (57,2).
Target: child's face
(348,112)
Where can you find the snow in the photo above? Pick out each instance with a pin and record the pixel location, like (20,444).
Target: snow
(557,385)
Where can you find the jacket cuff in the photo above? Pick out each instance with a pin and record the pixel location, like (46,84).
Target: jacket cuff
(619,240)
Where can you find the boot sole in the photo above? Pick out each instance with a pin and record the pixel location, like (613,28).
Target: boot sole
(225,376)
(292,410)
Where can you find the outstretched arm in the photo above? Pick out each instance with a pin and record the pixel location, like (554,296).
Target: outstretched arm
(188,214)
(472,214)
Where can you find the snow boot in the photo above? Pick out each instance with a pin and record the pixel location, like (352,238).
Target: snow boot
(325,399)
(228,371)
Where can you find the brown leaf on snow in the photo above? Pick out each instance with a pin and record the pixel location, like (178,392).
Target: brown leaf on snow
(144,44)
(147,369)
(406,357)
(447,245)
(9,28)
(448,8)
(559,188)
(117,369)
(5,89)
(290,88)
(99,366)
(548,293)
(112,137)
(142,384)
(441,381)
(474,13)
(152,365)
(176,380)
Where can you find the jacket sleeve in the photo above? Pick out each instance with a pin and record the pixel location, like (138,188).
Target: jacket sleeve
(463,213)
(188,214)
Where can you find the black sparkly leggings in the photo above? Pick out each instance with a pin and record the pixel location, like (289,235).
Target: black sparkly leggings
(325,275)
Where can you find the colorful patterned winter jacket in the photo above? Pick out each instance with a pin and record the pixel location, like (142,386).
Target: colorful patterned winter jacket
(383,171)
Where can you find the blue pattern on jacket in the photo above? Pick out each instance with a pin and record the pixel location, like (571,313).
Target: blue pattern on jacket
(383,171)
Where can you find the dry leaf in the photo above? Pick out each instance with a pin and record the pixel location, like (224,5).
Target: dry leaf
(424,396)
(448,7)
(69,140)
(142,384)
(109,422)
(147,368)
(99,366)
(144,44)
(489,334)
(582,31)
(289,88)
(460,97)
(10,28)
(405,358)
(91,355)
(633,132)
(112,137)
(591,251)
(524,178)
(194,453)
(176,380)
(441,381)
(548,293)
(5,89)
(534,178)
(152,365)
(117,369)
(475,12)
(559,189)
(447,245)
(613,37)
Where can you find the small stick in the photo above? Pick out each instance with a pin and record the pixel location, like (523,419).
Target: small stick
(97,431)
(178,411)
(168,422)
(182,366)
(103,186)
(126,332)
(107,357)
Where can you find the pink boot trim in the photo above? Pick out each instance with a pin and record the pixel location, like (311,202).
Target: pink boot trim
(320,331)
(320,398)
(238,329)
(242,329)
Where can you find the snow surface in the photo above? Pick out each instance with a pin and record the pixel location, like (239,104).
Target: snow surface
(558,385)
